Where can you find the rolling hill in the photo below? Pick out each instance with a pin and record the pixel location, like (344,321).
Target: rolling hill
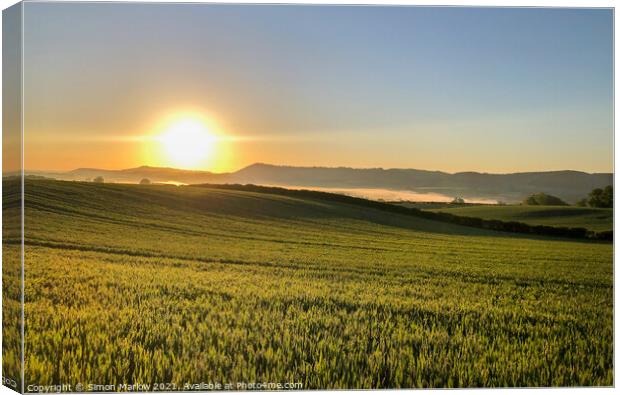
(157,283)
(568,185)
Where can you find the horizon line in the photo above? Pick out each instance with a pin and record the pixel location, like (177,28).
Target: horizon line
(304,167)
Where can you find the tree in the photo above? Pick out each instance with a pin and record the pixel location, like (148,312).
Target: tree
(601,198)
(145,181)
(98,179)
(457,200)
(543,199)
(608,196)
(582,202)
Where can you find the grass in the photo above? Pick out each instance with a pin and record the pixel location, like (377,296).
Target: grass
(152,284)
(11,285)
(595,219)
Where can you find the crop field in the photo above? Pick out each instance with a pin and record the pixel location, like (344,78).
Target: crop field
(131,284)
(596,219)
(11,285)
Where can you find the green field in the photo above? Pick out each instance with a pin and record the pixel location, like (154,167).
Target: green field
(157,284)
(596,219)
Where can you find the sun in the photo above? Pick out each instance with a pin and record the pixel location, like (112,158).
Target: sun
(187,143)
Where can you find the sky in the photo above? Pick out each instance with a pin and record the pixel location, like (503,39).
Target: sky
(455,89)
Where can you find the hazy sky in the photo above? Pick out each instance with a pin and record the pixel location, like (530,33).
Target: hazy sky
(454,89)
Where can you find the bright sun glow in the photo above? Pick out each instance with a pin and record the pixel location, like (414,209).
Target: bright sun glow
(187,143)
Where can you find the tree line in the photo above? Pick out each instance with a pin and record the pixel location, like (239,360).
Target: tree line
(598,198)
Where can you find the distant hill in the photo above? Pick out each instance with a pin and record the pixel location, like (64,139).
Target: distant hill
(567,184)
